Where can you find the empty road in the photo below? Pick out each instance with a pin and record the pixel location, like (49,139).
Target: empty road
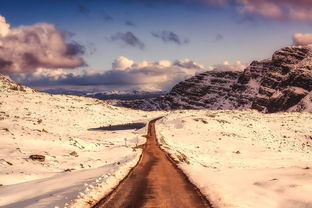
(154,182)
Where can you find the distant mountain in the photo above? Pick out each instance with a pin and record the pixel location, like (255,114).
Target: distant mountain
(61,91)
(282,83)
(109,95)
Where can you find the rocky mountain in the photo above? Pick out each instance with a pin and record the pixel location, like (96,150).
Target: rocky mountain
(287,82)
(282,83)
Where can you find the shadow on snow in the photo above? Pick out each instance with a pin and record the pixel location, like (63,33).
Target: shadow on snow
(119,127)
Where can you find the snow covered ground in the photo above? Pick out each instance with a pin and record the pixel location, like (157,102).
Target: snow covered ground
(81,164)
(243,159)
(239,159)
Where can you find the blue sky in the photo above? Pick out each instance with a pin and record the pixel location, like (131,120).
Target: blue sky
(212,34)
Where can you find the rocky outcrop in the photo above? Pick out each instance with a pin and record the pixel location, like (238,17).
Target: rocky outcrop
(282,83)
(287,82)
(201,91)
(6,84)
(305,105)
(40,158)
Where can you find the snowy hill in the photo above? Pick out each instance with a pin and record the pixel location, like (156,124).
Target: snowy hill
(75,163)
(282,83)
(55,144)
(7,85)
(243,159)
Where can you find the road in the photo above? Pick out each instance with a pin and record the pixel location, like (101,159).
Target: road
(154,182)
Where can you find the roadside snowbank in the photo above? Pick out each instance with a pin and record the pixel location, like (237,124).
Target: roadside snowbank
(243,159)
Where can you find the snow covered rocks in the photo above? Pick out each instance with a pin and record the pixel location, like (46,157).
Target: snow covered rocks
(282,83)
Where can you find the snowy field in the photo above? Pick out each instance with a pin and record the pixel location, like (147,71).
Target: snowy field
(80,164)
(243,159)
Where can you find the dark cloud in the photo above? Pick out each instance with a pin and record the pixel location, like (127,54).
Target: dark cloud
(129,23)
(129,39)
(168,36)
(75,49)
(26,48)
(5,64)
(68,34)
(219,37)
(106,17)
(83,9)
(247,18)
(90,48)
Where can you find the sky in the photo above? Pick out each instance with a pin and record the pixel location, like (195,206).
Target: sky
(141,44)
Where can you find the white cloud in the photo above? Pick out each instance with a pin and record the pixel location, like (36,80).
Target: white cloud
(26,48)
(4,27)
(302,39)
(55,74)
(122,63)
(226,66)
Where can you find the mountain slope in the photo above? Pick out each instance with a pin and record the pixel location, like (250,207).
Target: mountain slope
(271,85)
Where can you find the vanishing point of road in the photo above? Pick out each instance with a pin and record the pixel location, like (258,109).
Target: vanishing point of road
(154,182)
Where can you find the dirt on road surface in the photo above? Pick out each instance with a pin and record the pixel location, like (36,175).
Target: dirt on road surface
(154,182)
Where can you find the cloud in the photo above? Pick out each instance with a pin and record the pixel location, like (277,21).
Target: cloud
(219,37)
(226,66)
(4,27)
(25,48)
(283,10)
(106,17)
(210,2)
(129,23)
(168,36)
(302,39)
(122,63)
(83,9)
(129,39)
(189,64)
(263,8)
(125,73)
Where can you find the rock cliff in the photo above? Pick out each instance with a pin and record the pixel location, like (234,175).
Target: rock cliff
(282,83)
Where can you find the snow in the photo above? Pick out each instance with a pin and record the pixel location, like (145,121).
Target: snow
(81,164)
(243,159)
(236,158)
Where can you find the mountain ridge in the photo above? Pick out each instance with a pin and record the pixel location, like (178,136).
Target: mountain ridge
(282,83)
